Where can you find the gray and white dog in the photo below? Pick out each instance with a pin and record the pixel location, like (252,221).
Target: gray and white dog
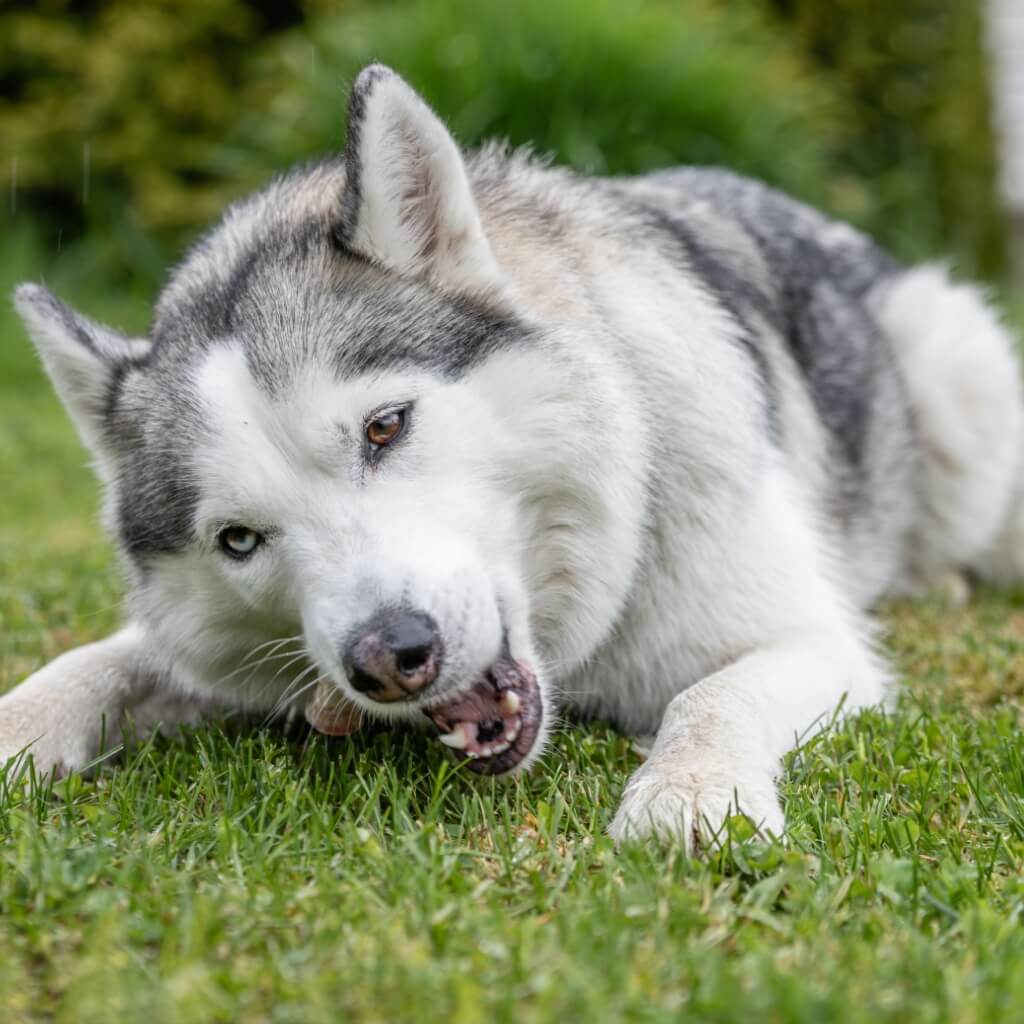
(462,439)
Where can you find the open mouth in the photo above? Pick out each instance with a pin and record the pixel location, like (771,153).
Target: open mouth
(494,724)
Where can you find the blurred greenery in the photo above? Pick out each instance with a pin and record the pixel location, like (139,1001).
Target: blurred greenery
(127,124)
(918,152)
(607,86)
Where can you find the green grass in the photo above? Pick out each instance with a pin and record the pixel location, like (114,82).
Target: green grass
(251,875)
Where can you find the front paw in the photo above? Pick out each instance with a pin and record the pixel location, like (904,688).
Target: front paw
(57,744)
(70,711)
(49,757)
(691,803)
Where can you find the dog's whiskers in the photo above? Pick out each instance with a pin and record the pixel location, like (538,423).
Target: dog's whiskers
(275,654)
(296,656)
(291,695)
(247,662)
(340,699)
(285,696)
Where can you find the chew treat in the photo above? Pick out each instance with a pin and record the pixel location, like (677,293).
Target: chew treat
(330,713)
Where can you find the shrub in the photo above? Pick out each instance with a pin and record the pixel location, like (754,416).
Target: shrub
(176,107)
(607,86)
(109,112)
(919,156)
(130,123)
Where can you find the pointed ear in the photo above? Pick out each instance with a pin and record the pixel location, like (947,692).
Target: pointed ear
(407,203)
(81,357)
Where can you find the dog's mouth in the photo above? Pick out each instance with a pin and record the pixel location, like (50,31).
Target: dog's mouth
(495,724)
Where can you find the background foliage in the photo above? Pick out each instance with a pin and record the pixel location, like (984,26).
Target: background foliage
(259,876)
(918,151)
(129,123)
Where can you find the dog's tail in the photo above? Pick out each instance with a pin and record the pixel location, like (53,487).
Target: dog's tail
(964,382)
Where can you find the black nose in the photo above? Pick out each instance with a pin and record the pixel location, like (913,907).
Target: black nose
(394,654)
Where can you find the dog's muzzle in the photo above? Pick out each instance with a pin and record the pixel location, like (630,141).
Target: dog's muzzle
(396,655)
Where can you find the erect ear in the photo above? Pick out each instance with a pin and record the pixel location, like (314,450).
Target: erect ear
(80,355)
(407,203)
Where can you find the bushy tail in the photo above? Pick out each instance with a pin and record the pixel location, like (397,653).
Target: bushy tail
(964,382)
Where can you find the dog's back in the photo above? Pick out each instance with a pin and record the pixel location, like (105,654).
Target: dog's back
(893,392)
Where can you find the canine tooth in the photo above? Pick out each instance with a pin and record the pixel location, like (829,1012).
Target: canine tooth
(458,738)
(510,702)
(513,731)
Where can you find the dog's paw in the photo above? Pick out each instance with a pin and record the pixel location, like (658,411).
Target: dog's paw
(70,711)
(56,743)
(49,757)
(690,804)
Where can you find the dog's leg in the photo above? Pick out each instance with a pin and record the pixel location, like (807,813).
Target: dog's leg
(762,584)
(71,710)
(718,749)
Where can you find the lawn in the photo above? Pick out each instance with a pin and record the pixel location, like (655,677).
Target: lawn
(257,875)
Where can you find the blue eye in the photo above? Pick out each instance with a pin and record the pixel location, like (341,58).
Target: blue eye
(239,541)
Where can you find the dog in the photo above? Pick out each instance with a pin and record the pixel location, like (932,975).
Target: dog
(468,440)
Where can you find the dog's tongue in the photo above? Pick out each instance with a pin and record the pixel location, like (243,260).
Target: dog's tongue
(328,712)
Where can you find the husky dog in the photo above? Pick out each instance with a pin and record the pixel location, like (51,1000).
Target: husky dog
(464,439)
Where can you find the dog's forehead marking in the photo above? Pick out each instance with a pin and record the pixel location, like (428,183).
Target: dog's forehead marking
(253,462)
(270,444)
(271,276)
(264,438)
(227,387)
(312,400)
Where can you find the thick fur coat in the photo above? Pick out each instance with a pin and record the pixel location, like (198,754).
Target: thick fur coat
(464,439)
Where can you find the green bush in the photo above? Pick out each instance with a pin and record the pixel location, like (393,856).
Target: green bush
(109,112)
(607,86)
(128,124)
(181,106)
(918,163)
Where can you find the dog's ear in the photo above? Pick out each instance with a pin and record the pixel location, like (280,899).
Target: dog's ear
(407,202)
(80,355)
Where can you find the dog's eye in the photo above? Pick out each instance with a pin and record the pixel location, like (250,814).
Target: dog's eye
(386,429)
(239,541)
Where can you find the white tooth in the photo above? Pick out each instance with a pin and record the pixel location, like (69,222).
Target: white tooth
(509,702)
(461,736)
(486,751)
(513,731)
(456,739)
(500,748)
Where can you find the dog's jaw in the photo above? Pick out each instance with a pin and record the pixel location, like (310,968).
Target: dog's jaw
(496,724)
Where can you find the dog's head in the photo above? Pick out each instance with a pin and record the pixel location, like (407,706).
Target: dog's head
(341,431)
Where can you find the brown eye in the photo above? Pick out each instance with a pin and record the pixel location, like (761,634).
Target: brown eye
(385,429)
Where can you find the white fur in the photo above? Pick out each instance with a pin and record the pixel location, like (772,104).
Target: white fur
(80,371)
(791,651)
(718,608)
(965,390)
